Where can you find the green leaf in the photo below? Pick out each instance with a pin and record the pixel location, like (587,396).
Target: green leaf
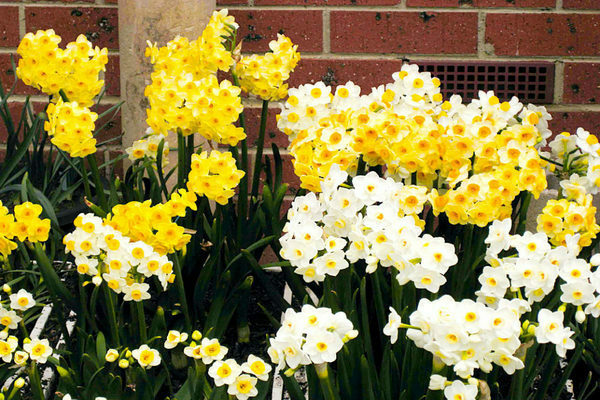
(57,289)
(9,165)
(100,348)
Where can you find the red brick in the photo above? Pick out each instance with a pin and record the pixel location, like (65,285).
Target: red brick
(272,133)
(437,3)
(111,77)
(259,27)
(582,83)
(570,121)
(268,256)
(62,1)
(112,1)
(229,2)
(365,73)
(582,4)
(544,34)
(9,26)
(515,3)
(403,32)
(327,2)
(98,24)
(481,3)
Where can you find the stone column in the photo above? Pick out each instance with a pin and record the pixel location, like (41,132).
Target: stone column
(157,21)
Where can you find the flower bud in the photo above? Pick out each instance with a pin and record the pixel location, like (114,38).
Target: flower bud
(128,354)
(111,355)
(3,334)
(19,383)
(20,358)
(196,335)
(562,307)
(473,381)
(123,364)
(6,289)
(97,280)
(321,369)
(437,382)
(580,316)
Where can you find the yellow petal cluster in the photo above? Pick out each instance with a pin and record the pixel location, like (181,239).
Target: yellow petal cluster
(185,94)
(24,224)
(563,217)
(474,159)
(152,225)
(49,68)
(71,127)
(264,75)
(214,176)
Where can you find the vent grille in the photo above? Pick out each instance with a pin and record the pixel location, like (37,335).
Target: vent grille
(529,81)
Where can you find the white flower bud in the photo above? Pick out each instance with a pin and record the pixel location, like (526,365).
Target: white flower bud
(580,316)
(437,382)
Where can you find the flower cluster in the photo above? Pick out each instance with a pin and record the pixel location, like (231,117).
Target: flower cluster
(241,379)
(469,335)
(24,224)
(38,350)
(373,220)
(576,160)
(185,94)
(311,336)
(551,330)
(34,349)
(454,390)
(264,75)
(214,176)
(153,225)
(478,155)
(104,253)
(563,217)
(71,127)
(536,267)
(148,147)
(74,70)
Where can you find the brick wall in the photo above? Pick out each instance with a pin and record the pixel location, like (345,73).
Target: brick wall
(366,40)
(97,19)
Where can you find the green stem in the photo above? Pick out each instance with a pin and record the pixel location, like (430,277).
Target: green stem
(181,291)
(180,159)
(86,182)
(329,392)
(112,317)
(362,166)
(523,213)
(139,310)
(243,165)
(97,182)
(34,382)
(259,148)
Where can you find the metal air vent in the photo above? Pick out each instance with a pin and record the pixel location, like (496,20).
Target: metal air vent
(531,82)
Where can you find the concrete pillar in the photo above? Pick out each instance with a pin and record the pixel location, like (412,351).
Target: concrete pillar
(158,21)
